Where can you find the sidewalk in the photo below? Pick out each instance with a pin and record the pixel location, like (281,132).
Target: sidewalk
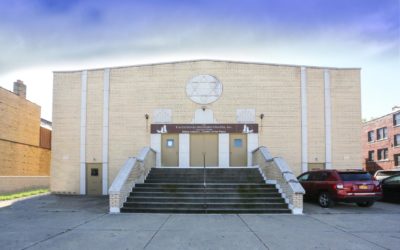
(73,222)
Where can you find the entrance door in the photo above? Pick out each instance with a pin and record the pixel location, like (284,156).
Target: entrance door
(238,150)
(203,147)
(94,178)
(170,150)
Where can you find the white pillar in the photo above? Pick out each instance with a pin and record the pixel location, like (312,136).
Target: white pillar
(252,143)
(106,97)
(328,120)
(304,126)
(223,150)
(155,143)
(184,150)
(82,181)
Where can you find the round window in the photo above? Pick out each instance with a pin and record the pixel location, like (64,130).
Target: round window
(204,89)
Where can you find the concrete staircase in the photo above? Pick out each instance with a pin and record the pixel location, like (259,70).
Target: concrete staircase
(227,190)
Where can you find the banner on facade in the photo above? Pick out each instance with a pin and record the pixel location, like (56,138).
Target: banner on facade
(203,128)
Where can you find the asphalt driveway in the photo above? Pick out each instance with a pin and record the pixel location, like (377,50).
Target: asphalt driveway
(74,222)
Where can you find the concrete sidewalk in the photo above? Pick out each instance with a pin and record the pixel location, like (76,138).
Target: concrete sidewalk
(74,222)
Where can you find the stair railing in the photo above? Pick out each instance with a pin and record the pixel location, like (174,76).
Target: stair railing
(204,182)
(134,170)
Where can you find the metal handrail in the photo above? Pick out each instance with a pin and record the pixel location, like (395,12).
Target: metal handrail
(204,182)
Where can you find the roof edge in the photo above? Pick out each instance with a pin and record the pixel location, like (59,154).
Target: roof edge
(211,60)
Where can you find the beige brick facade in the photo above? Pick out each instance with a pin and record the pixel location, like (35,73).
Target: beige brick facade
(20,151)
(272,90)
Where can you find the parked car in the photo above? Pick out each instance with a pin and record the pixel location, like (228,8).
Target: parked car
(383,174)
(391,188)
(330,186)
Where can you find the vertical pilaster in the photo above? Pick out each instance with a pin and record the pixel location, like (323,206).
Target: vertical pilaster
(252,143)
(184,150)
(155,143)
(223,150)
(328,120)
(304,126)
(82,188)
(106,98)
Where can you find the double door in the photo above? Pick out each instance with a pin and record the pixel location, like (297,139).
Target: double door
(204,150)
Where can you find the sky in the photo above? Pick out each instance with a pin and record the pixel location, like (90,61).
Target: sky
(38,37)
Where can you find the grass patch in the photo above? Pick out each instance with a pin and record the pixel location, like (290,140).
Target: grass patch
(6,197)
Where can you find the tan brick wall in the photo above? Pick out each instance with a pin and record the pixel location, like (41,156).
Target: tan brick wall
(94,117)
(11,184)
(20,119)
(23,160)
(346,119)
(66,132)
(316,115)
(20,137)
(273,90)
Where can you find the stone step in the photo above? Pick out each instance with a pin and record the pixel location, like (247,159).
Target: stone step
(200,180)
(220,205)
(205,211)
(200,185)
(206,199)
(208,194)
(204,190)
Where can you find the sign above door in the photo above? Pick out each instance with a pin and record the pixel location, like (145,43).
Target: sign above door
(203,128)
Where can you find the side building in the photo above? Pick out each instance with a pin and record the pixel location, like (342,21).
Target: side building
(381,142)
(25,142)
(201,112)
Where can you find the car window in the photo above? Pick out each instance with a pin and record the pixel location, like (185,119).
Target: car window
(304,177)
(355,176)
(318,176)
(392,180)
(387,173)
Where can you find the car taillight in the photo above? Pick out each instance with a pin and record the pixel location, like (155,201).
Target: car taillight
(339,186)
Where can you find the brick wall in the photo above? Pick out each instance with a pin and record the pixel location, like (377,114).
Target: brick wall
(373,125)
(273,90)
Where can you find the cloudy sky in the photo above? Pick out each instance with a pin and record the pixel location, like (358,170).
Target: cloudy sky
(41,36)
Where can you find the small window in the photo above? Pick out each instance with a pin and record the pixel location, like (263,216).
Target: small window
(170,143)
(382,154)
(355,176)
(94,172)
(397,160)
(397,140)
(381,133)
(396,119)
(371,135)
(238,143)
(371,155)
(304,177)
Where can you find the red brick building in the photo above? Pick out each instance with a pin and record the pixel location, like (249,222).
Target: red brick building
(380,139)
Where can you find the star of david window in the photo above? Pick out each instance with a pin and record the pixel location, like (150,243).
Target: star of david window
(204,89)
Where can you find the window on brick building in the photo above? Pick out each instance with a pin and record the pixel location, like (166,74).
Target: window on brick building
(397,140)
(371,136)
(371,155)
(382,154)
(396,119)
(381,133)
(397,160)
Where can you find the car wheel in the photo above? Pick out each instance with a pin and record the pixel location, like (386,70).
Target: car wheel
(325,200)
(365,204)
